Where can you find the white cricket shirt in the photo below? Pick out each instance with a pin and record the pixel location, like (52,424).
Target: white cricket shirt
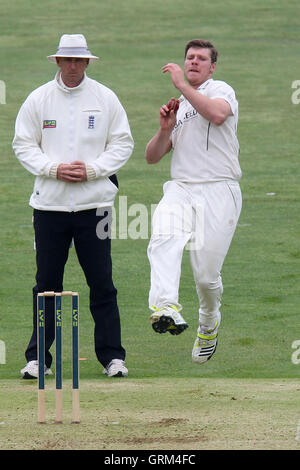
(202,151)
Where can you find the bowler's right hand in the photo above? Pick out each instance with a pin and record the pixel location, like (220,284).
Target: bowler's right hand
(167,118)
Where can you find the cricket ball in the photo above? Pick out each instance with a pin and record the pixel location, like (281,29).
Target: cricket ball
(173,104)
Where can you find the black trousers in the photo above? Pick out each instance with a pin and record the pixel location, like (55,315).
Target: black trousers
(54,232)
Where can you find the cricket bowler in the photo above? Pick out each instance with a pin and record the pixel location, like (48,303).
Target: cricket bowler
(201,203)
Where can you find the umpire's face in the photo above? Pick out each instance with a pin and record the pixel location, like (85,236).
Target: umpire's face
(72,70)
(198,66)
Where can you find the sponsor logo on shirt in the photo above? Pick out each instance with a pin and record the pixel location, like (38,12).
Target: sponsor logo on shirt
(49,124)
(187,116)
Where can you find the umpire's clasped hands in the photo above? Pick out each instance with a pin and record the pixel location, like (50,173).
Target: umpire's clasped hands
(74,172)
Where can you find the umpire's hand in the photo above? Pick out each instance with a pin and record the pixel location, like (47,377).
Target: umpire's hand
(74,172)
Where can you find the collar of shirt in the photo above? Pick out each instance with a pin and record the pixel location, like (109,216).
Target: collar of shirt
(204,84)
(201,87)
(65,87)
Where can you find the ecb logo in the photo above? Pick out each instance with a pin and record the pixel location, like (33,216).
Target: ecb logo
(91,122)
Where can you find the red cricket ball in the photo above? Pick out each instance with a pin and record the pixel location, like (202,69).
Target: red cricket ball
(173,104)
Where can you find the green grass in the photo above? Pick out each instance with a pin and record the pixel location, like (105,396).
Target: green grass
(259,46)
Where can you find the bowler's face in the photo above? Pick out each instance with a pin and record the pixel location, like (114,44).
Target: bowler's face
(198,66)
(72,70)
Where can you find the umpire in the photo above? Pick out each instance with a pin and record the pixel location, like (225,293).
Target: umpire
(73,134)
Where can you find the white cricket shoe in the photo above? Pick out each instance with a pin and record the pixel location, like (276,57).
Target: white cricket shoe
(31,370)
(168,319)
(205,344)
(116,368)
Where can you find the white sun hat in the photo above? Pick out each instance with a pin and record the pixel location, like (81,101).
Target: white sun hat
(73,45)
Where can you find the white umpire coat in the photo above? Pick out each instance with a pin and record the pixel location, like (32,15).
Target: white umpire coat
(60,125)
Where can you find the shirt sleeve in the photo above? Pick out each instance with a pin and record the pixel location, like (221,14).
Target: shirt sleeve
(27,139)
(226,92)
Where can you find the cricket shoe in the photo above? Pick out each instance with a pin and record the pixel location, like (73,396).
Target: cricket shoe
(168,319)
(116,368)
(31,370)
(205,344)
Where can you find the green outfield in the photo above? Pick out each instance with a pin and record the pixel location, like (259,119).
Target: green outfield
(254,367)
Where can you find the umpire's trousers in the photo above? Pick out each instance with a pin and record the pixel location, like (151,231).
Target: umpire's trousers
(54,232)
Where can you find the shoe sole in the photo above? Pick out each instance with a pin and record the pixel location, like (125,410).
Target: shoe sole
(118,374)
(27,376)
(163,324)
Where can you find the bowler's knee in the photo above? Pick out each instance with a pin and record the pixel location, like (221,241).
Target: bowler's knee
(209,284)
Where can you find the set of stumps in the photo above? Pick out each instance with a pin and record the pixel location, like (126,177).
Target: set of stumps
(58,355)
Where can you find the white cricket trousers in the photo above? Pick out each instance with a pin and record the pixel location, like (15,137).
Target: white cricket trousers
(202,218)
